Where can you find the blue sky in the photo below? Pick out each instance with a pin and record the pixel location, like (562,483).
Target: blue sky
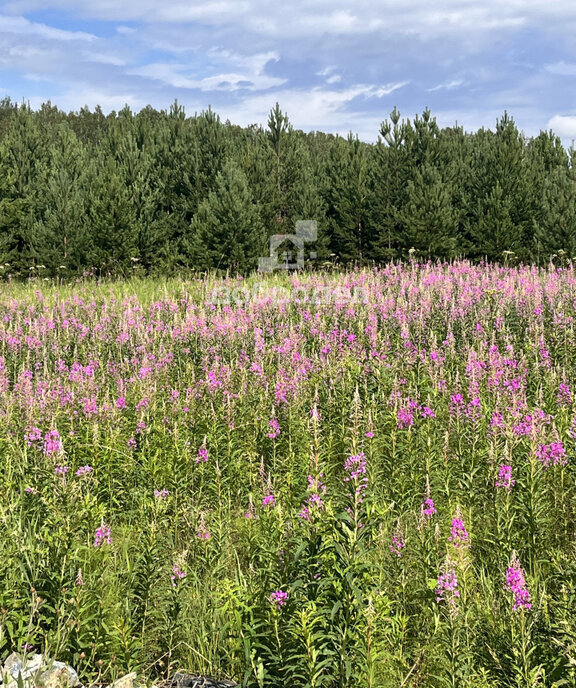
(332,65)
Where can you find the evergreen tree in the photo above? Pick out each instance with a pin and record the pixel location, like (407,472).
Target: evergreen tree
(429,216)
(555,228)
(279,129)
(125,189)
(500,202)
(292,192)
(349,198)
(227,232)
(23,152)
(110,219)
(389,182)
(60,236)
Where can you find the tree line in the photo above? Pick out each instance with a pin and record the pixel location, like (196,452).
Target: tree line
(159,191)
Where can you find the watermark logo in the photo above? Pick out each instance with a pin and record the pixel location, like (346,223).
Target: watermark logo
(306,231)
(264,293)
(268,292)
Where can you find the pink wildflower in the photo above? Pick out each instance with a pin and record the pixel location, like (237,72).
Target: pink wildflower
(177,575)
(103,536)
(516,584)
(458,535)
(279,598)
(504,479)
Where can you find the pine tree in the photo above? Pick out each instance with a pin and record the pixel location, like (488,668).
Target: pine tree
(555,228)
(227,231)
(110,219)
(389,182)
(429,217)
(349,196)
(500,205)
(59,234)
(23,152)
(303,198)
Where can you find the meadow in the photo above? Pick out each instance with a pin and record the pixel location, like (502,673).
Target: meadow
(361,479)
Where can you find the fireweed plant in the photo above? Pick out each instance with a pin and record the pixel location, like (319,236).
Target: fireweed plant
(378,492)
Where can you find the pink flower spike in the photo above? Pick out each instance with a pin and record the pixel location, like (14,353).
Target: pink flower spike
(279,598)
(103,536)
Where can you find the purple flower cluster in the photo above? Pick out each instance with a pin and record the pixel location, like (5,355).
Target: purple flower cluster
(458,535)
(33,436)
(49,443)
(504,479)
(428,509)
(456,404)
(405,415)
(274,429)
(52,442)
(84,470)
(314,500)
(404,419)
(447,587)
(161,494)
(398,544)
(279,598)
(202,455)
(268,500)
(427,412)
(564,397)
(553,454)
(516,584)
(177,575)
(355,466)
(103,536)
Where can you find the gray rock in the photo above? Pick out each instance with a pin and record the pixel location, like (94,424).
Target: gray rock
(38,671)
(125,681)
(16,666)
(58,675)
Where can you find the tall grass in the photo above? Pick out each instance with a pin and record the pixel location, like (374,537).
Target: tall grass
(310,493)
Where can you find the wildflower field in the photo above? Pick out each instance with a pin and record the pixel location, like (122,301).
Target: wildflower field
(371,488)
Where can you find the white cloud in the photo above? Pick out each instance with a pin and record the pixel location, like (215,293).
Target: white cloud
(412,16)
(457,56)
(75,99)
(212,11)
(102,58)
(448,86)
(180,75)
(317,109)
(22,26)
(385,90)
(562,68)
(329,76)
(26,52)
(326,71)
(176,75)
(564,126)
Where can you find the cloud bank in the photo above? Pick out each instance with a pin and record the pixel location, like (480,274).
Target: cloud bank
(333,66)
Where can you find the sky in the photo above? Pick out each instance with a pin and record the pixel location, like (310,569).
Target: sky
(333,66)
